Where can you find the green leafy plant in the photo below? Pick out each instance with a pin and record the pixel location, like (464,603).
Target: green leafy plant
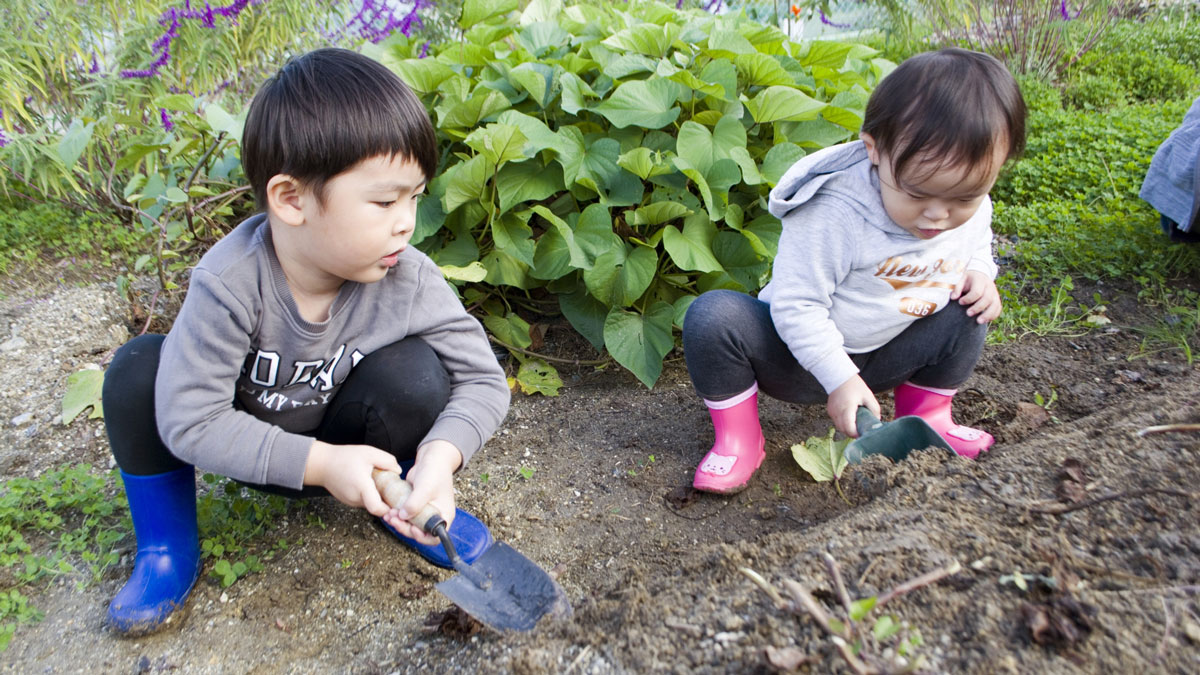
(1030,36)
(526,472)
(822,457)
(64,523)
(233,520)
(614,159)
(83,392)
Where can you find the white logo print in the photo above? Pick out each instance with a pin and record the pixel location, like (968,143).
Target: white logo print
(717,465)
(965,433)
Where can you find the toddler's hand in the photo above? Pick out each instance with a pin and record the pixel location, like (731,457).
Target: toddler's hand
(432,479)
(980,293)
(844,402)
(345,470)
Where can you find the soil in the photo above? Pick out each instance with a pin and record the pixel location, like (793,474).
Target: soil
(594,485)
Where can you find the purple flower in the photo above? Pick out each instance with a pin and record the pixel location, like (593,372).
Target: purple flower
(679,4)
(95,67)
(714,6)
(171,18)
(3,139)
(825,20)
(424,50)
(1065,11)
(166,119)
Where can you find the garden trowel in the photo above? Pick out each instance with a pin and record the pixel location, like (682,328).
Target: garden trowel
(502,589)
(893,440)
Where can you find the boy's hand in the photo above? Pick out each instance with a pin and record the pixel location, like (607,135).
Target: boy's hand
(432,479)
(345,470)
(844,402)
(978,291)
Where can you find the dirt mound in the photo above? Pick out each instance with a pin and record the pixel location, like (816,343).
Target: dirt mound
(1077,539)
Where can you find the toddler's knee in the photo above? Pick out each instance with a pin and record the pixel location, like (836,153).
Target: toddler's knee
(714,312)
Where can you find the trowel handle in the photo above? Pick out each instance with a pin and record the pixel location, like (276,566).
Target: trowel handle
(865,422)
(395,491)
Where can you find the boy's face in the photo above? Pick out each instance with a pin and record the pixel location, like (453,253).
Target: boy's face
(929,199)
(367,219)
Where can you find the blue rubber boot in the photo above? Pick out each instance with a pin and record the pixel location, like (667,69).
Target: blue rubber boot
(163,508)
(468,534)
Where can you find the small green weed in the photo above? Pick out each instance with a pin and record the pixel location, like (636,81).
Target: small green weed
(233,518)
(65,522)
(526,472)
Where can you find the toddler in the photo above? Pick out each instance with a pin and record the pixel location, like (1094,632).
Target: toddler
(884,277)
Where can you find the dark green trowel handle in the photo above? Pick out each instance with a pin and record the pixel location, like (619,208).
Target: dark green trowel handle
(866,422)
(395,491)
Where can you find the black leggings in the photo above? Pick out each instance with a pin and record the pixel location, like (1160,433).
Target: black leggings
(730,342)
(389,401)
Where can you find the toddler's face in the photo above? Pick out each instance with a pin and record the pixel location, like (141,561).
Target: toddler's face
(368,217)
(928,201)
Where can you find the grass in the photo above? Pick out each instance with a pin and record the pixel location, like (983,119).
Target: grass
(73,523)
(32,234)
(1069,209)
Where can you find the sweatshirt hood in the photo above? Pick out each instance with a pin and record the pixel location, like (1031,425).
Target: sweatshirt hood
(842,171)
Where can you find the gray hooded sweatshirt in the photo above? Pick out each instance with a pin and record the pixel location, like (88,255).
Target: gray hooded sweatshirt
(847,278)
(244,380)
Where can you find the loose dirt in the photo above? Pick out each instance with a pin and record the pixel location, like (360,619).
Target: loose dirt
(593,485)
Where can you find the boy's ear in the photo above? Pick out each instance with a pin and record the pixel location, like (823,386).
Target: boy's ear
(285,199)
(872,149)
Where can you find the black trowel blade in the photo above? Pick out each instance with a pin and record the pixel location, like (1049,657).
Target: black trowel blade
(520,594)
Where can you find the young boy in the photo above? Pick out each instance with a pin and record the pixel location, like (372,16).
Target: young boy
(314,344)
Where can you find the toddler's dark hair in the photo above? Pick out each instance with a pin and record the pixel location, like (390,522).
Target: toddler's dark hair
(951,106)
(324,112)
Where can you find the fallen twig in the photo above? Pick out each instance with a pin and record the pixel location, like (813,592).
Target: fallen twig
(766,587)
(840,587)
(805,599)
(918,582)
(694,631)
(852,660)
(1055,508)
(1162,644)
(1166,428)
(1060,509)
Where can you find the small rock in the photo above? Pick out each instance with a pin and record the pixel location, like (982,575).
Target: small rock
(22,419)
(13,344)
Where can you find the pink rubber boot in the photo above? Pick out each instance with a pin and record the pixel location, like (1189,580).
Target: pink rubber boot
(933,406)
(737,451)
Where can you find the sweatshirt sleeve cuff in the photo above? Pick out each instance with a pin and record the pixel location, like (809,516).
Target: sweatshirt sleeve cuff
(459,432)
(984,266)
(289,456)
(833,371)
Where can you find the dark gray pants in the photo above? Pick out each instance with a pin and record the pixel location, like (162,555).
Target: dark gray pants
(730,343)
(390,401)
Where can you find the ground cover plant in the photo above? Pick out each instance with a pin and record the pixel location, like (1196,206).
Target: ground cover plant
(1074,240)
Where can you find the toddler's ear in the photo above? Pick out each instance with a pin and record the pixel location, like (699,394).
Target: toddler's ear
(285,199)
(872,149)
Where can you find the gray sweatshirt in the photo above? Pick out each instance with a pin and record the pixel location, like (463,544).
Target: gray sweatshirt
(244,380)
(847,279)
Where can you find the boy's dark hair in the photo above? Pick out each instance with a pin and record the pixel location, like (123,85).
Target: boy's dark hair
(324,112)
(951,105)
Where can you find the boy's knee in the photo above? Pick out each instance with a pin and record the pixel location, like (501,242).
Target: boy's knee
(130,375)
(411,369)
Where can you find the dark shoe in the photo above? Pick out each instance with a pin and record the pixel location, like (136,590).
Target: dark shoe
(163,508)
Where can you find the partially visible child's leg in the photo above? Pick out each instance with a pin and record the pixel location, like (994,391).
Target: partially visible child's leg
(732,351)
(390,401)
(161,491)
(926,364)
